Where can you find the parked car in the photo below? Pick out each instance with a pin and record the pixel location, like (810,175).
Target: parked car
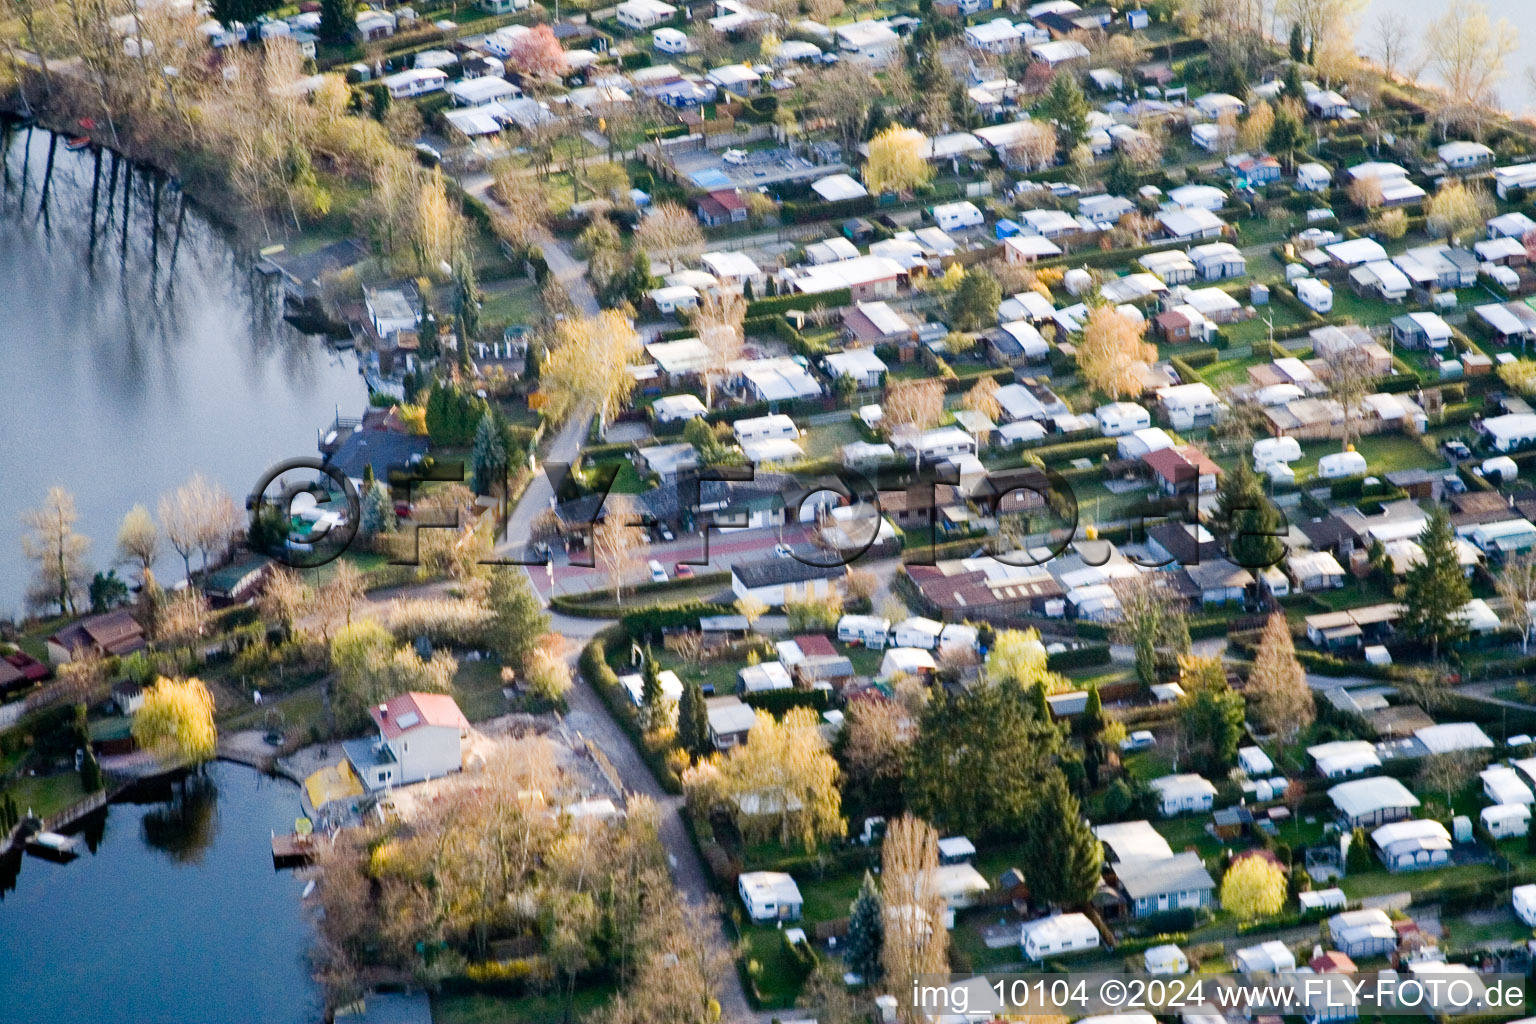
(1454,484)
(682,571)
(658,574)
(1141,739)
(782,551)
(1456,449)
(665,531)
(734,157)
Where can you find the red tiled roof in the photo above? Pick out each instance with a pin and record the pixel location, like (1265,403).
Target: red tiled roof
(815,646)
(394,717)
(1332,962)
(729,199)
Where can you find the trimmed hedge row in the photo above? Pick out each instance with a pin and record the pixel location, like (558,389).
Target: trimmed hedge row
(1086,656)
(800,300)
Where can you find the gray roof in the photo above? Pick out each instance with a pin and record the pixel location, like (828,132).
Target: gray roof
(777,571)
(382,449)
(1179,873)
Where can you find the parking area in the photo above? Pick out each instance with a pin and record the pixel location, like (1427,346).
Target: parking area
(749,168)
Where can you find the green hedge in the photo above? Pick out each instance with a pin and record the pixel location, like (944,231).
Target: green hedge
(783,303)
(1093,448)
(817,210)
(777,702)
(1078,657)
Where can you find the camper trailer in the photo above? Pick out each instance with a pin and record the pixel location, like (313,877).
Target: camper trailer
(1341,464)
(1270,451)
(869,630)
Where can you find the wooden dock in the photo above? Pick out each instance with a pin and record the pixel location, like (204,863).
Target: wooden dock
(292,851)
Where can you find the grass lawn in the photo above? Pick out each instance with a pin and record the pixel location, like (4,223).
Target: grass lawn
(967,940)
(1225,373)
(721,674)
(510,302)
(299,709)
(1379,882)
(44,795)
(1186,831)
(1461,931)
(827,899)
(826,440)
(478,690)
(1149,764)
(1353,595)
(1384,453)
(467,1008)
(778,977)
(627,481)
(1363,311)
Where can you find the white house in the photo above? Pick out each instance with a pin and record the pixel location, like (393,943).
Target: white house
(1187,225)
(1119,418)
(865,368)
(641,15)
(1344,757)
(1502,785)
(1179,794)
(1270,957)
(1373,801)
(1313,178)
(415,82)
(1504,821)
(958,215)
(420,736)
(1213,104)
(672,298)
(1412,845)
(1461,155)
(758,428)
(1054,936)
(1188,404)
(1363,933)
(1511,432)
(1523,898)
(998,36)
(1216,260)
(1139,443)
(770,895)
(918,632)
(472,92)
(677,408)
(777,581)
(868,42)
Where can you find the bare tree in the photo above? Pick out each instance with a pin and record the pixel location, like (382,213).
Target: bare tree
(138,539)
(1517,586)
(915,938)
(284,599)
(1467,52)
(1393,43)
(618,541)
(670,234)
(51,542)
(1349,381)
(912,406)
(719,325)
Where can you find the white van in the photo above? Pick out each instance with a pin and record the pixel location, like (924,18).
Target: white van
(658,574)
(1268,451)
(1340,464)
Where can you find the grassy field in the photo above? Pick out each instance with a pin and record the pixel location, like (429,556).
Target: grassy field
(1379,882)
(777,977)
(509,302)
(827,439)
(43,795)
(466,1008)
(478,690)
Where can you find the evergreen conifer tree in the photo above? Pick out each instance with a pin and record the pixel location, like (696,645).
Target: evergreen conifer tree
(1435,590)
(866,932)
(1065,856)
(693,720)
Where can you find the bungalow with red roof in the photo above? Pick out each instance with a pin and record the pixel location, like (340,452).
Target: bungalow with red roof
(113,633)
(719,208)
(421,736)
(1185,470)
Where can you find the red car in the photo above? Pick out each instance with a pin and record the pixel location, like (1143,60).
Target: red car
(682,571)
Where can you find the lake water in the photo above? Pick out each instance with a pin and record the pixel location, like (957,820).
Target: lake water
(137,352)
(176,915)
(1514,92)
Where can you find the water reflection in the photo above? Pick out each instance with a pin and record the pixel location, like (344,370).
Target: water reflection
(184,826)
(139,346)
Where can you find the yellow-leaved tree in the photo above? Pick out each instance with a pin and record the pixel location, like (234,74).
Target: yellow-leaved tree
(782,783)
(175,721)
(1253,887)
(1458,211)
(587,363)
(1018,656)
(1112,356)
(896,160)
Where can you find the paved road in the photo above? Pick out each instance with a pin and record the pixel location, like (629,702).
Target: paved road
(725,550)
(588,715)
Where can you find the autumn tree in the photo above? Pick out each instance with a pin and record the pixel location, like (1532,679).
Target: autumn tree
(1253,132)
(915,941)
(1365,192)
(718,322)
(1112,357)
(619,542)
(982,398)
(897,161)
(546,672)
(1277,692)
(183,620)
(1434,589)
(1393,44)
(371,668)
(1018,657)
(872,749)
(538,54)
(1253,887)
(1210,716)
(175,721)
(912,406)
(138,539)
(1065,858)
(57,551)
(588,364)
(1458,211)
(844,94)
(782,782)
(670,234)
(1150,623)
(200,516)
(1467,52)
(284,599)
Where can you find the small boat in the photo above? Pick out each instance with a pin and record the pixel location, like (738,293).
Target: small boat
(78,143)
(55,845)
